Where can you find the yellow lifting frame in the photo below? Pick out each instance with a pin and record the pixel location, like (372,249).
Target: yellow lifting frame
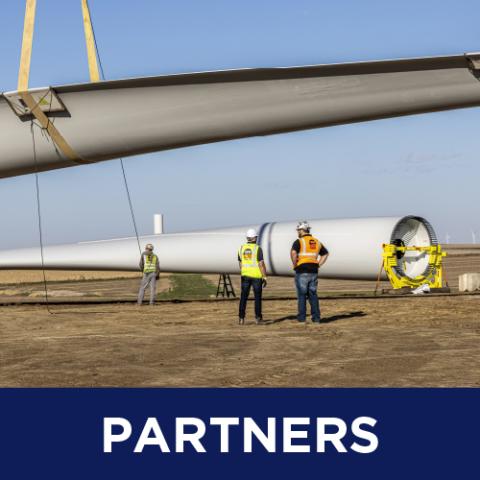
(434,273)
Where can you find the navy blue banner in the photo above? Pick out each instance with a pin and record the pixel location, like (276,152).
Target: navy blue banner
(239,433)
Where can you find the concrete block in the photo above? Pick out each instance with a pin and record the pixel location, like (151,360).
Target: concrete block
(469,282)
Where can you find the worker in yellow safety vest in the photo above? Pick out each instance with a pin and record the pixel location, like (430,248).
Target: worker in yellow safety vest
(150,267)
(254,274)
(308,254)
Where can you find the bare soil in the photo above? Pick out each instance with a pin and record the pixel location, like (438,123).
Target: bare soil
(428,341)
(15,277)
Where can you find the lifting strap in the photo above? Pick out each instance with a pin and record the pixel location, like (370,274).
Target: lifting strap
(90,41)
(47,125)
(23,77)
(27,42)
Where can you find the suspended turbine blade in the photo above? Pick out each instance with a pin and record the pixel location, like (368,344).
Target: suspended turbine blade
(106,120)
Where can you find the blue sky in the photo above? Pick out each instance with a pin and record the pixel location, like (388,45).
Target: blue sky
(425,164)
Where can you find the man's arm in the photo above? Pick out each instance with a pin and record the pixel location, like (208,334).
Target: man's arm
(261,265)
(322,259)
(141,264)
(294,257)
(157,267)
(294,252)
(323,256)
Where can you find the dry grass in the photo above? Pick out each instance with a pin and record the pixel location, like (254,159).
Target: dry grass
(16,277)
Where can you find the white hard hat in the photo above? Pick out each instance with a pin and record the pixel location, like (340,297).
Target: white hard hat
(252,233)
(303,225)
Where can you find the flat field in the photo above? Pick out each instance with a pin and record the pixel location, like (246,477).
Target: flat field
(427,341)
(386,341)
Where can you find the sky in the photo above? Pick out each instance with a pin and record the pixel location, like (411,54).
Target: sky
(425,165)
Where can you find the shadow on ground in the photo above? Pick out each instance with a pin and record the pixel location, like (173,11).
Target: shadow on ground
(333,318)
(343,316)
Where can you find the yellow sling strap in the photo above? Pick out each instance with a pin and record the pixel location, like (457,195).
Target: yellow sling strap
(24,73)
(26,55)
(90,41)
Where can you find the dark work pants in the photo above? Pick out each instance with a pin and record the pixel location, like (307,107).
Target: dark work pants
(256,283)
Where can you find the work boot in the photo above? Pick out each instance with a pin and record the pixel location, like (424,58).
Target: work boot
(241,321)
(258,320)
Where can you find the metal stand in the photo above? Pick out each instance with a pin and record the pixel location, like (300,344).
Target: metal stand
(225,286)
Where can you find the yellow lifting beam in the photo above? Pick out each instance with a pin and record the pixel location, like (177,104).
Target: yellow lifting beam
(433,275)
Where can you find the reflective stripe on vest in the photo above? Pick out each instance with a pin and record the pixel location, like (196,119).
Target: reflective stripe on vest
(309,250)
(150,264)
(249,259)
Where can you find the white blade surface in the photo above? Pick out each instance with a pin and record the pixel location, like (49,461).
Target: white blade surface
(107,120)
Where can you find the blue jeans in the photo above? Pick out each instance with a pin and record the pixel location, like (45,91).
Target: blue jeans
(256,283)
(306,284)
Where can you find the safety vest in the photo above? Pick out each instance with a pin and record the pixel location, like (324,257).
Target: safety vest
(150,263)
(309,250)
(248,257)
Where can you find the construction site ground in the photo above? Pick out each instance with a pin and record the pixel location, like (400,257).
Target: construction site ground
(191,339)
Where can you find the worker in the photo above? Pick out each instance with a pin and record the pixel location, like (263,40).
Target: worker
(150,267)
(254,274)
(308,254)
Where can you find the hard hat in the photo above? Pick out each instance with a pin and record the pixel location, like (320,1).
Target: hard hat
(303,225)
(252,233)
(148,246)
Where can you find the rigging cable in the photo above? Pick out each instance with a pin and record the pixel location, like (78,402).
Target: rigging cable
(38,196)
(39,216)
(40,231)
(125,181)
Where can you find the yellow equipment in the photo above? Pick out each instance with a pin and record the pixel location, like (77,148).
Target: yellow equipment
(394,266)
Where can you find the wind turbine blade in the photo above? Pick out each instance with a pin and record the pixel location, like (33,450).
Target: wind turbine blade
(106,120)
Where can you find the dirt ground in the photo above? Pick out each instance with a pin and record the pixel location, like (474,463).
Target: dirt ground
(387,341)
(426,341)
(16,277)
